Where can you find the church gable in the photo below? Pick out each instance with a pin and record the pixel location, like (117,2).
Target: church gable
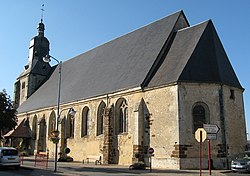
(196,55)
(181,49)
(209,62)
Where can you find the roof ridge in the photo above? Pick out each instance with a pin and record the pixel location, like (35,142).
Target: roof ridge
(198,24)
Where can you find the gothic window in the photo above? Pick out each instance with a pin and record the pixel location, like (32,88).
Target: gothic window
(200,115)
(71,126)
(41,143)
(121,116)
(34,128)
(100,118)
(85,122)
(126,119)
(52,122)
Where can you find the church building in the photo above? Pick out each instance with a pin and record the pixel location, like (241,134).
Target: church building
(150,88)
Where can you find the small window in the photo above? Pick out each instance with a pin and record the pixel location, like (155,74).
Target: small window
(23,85)
(232,96)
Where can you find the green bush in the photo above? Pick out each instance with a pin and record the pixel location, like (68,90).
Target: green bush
(137,155)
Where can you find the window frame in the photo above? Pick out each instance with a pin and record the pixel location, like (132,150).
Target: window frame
(206,114)
(100,118)
(85,123)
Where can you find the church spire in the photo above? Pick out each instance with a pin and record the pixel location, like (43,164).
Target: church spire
(41,26)
(41,29)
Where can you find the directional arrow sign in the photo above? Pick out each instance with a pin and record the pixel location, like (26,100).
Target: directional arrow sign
(211,128)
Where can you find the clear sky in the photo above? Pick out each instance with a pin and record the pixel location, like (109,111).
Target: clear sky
(76,26)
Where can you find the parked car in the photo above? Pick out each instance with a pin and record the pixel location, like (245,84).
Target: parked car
(241,163)
(9,156)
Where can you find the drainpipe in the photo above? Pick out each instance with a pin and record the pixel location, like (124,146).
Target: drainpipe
(223,123)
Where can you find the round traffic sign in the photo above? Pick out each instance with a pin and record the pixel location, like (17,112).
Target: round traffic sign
(150,150)
(200,135)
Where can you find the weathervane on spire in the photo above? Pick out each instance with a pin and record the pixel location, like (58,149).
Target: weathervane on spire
(42,9)
(40,26)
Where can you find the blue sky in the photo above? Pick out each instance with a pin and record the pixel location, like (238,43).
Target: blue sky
(76,26)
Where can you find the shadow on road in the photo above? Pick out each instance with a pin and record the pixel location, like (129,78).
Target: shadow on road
(122,170)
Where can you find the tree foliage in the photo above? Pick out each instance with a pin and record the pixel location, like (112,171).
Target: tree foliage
(8,119)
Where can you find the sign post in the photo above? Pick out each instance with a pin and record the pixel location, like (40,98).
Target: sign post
(209,157)
(200,136)
(212,131)
(150,154)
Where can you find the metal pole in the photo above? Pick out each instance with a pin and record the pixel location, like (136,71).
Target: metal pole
(58,109)
(209,157)
(200,152)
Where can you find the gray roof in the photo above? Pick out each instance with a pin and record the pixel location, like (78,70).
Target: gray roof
(196,55)
(159,53)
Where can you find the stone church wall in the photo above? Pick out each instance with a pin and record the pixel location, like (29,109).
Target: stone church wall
(160,118)
(164,134)
(233,130)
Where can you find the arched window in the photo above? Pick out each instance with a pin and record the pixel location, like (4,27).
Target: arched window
(41,143)
(52,122)
(200,115)
(100,118)
(34,127)
(85,122)
(70,126)
(121,116)
(126,119)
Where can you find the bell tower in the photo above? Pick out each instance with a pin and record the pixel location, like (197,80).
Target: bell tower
(36,72)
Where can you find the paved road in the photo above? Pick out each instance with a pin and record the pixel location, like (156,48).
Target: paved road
(79,169)
(92,171)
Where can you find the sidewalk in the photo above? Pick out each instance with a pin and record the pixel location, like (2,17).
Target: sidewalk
(77,168)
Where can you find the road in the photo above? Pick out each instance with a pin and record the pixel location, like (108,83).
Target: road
(79,169)
(89,171)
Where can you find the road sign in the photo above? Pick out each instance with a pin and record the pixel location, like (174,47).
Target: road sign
(150,150)
(200,135)
(211,136)
(211,128)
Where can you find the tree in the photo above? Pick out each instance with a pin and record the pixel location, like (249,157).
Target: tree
(8,118)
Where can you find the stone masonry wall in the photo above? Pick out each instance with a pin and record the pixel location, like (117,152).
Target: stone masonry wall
(189,95)
(169,130)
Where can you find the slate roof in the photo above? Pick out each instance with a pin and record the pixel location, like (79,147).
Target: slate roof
(162,52)
(196,55)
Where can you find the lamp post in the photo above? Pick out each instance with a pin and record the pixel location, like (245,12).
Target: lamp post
(47,59)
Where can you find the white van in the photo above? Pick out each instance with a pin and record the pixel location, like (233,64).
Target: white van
(9,156)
